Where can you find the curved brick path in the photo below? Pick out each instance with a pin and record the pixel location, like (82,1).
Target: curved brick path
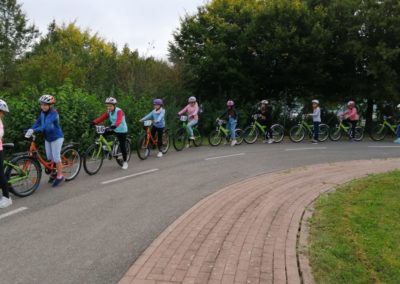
(246,232)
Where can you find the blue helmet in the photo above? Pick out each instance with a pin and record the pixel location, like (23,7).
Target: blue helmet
(158,102)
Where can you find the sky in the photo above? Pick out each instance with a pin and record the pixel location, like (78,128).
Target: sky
(144,25)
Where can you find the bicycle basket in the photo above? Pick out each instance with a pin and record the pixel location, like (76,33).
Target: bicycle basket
(100,129)
(221,122)
(183,118)
(147,123)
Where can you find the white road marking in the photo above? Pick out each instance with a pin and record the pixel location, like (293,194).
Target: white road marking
(383,146)
(222,157)
(13,212)
(306,149)
(130,176)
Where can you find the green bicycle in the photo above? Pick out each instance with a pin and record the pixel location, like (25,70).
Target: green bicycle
(181,136)
(380,131)
(252,132)
(95,154)
(216,136)
(336,133)
(298,132)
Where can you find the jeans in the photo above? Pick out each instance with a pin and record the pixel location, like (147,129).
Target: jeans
(3,182)
(159,132)
(122,144)
(190,126)
(398,131)
(316,130)
(231,125)
(53,150)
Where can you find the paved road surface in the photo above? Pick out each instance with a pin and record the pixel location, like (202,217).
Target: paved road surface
(91,230)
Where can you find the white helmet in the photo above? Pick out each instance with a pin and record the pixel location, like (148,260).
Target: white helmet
(192,99)
(265,102)
(315,102)
(351,103)
(47,99)
(3,106)
(111,100)
(398,106)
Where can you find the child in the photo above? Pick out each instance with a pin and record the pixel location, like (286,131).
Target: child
(397,141)
(5,200)
(265,119)
(351,116)
(316,116)
(118,125)
(49,124)
(192,109)
(232,116)
(158,117)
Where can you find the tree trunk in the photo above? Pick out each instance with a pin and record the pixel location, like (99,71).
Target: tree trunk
(368,115)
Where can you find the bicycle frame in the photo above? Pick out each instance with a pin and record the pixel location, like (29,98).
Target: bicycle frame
(392,127)
(102,141)
(150,138)
(22,174)
(224,130)
(307,127)
(34,152)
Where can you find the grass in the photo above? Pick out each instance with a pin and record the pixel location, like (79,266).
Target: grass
(355,232)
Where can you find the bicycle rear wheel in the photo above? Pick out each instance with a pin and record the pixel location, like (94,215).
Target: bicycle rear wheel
(297,133)
(335,133)
(142,148)
(180,139)
(378,132)
(323,132)
(23,174)
(72,163)
(278,132)
(93,159)
(239,136)
(359,133)
(215,138)
(198,140)
(250,134)
(165,142)
(118,154)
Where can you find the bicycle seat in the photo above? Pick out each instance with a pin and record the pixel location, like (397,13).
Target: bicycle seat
(8,146)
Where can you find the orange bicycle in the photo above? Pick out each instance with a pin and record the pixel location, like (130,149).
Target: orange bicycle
(147,141)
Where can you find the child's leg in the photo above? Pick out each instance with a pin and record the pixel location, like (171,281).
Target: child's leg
(160,132)
(398,131)
(316,130)
(55,149)
(353,128)
(268,124)
(233,123)
(3,181)
(122,144)
(190,126)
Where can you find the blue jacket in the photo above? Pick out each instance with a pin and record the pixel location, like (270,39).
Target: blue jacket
(49,124)
(157,116)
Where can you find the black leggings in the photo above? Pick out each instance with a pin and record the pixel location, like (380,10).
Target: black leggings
(159,132)
(122,144)
(3,181)
(268,124)
(353,124)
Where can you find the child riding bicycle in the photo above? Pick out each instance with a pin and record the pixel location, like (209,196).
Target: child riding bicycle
(192,110)
(316,116)
(264,117)
(232,118)
(351,116)
(5,200)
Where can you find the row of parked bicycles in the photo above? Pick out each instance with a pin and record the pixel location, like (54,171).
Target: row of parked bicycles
(24,170)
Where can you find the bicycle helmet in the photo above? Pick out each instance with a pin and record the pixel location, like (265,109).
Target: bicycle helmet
(111,100)
(230,103)
(192,99)
(398,106)
(158,102)
(3,106)
(351,103)
(265,102)
(47,99)
(315,102)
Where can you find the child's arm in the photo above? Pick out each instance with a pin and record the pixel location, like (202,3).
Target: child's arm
(120,116)
(147,117)
(183,110)
(51,118)
(103,117)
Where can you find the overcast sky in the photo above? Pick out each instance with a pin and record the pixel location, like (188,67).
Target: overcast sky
(143,25)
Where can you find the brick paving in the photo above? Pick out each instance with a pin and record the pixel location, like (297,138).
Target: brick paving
(247,232)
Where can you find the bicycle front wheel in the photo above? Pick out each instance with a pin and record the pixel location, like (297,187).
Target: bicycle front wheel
(142,148)
(180,139)
(250,134)
(323,132)
(165,142)
(93,159)
(23,174)
(378,132)
(198,140)
(359,133)
(239,136)
(72,163)
(215,138)
(118,154)
(297,133)
(278,132)
(335,133)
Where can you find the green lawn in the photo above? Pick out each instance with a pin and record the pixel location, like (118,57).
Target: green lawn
(355,232)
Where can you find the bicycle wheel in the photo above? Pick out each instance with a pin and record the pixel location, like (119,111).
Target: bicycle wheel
(378,132)
(165,142)
(335,133)
(250,134)
(180,139)
(278,132)
(297,133)
(93,159)
(23,175)
(215,138)
(198,140)
(142,147)
(118,153)
(323,132)
(72,163)
(359,133)
(239,136)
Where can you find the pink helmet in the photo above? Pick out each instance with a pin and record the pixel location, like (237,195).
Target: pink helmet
(351,103)
(230,103)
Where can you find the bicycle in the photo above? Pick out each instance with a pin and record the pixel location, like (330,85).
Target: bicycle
(147,142)
(95,154)
(336,133)
(298,132)
(181,136)
(18,168)
(380,131)
(216,136)
(252,132)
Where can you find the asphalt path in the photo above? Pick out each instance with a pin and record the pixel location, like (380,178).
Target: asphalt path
(92,229)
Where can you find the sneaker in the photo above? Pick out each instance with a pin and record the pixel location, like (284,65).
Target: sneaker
(5,202)
(52,178)
(397,141)
(234,142)
(125,166)
(192,138)
(270,141)
(57,181)
(159,155)
(187,146)
(314,141)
